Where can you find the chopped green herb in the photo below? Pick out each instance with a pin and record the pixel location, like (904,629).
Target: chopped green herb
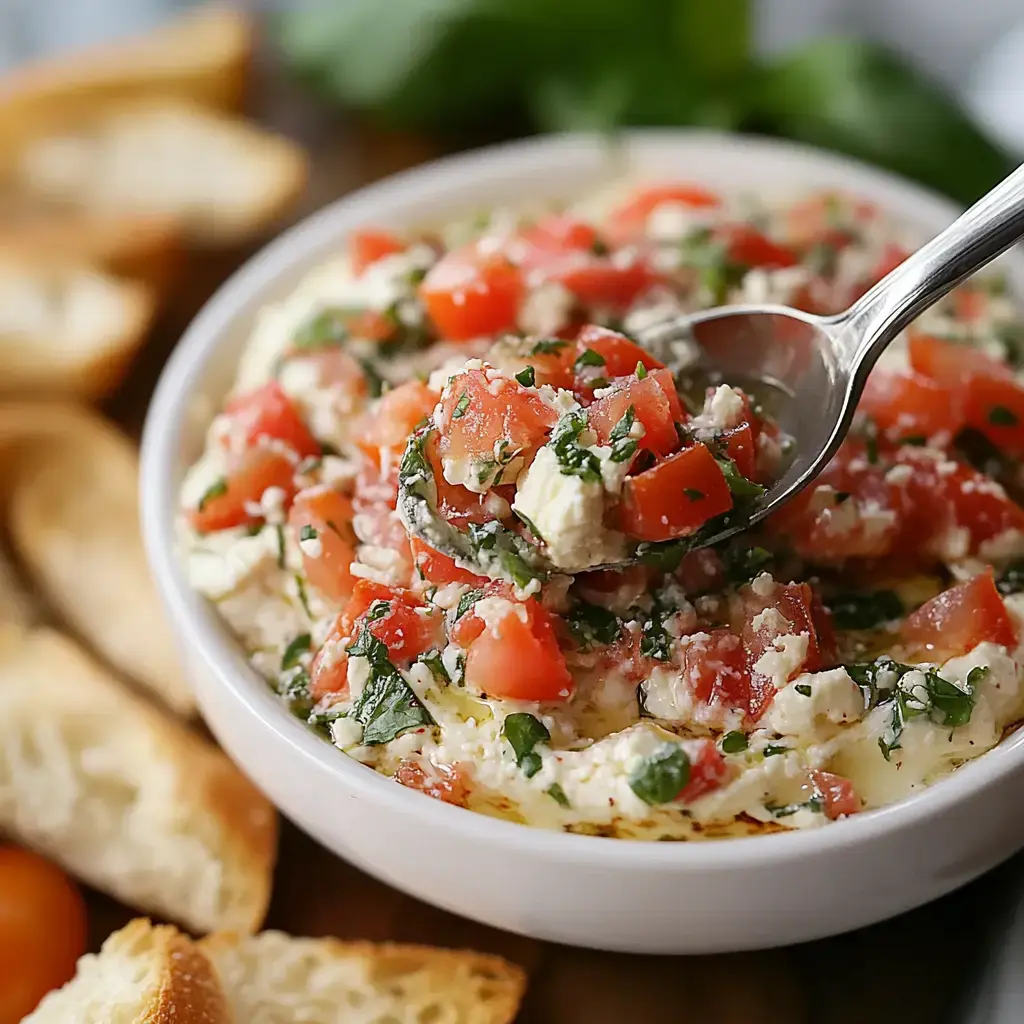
(253,529)
(573,458)
(591,625)
(279,531)
(743,564)
(1011,579)
(623,446)
(461,406)
(548,347)
(300,588)
(527,377)
(871,448)
(326,329)
(294,651)
(822,258)
(734,742)
(803,689)
(772,749)
(308,533)
(693,494)
(523,733)
(217,489)
(1000,416)
(641,370)
(785,810)
(374,381)
(915,440)
(740,486)
(468,599)
(662,776)
(599,248)
(654,639)
(433,661)
(378,610)
(589,357)
(557,794)
(865,611)
(529,523)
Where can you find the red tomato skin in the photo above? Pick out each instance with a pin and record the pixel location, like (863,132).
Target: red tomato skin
(628,221)
(405,631)
(328,672)
(447,783)
(560,232)
(330,514)
(371,244)
(439,568)
(396,416)
(601,282)
(651,409)
(957,620)
(620,354)
(42,931)
(908,404)
(468,294)
(655,505)
(751,248)
(258,470)
(708,772)
(836,793)
(716,670)
(952,364)
(739,446)
(268,413)
(996,408)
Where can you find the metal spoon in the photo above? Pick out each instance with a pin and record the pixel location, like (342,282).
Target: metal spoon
(819,364)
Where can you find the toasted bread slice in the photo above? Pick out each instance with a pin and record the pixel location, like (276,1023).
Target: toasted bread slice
(222,178)
(202,56)
(67,328)
(123,796)
(144,974)
(16,606)
(73,517)
(275,979)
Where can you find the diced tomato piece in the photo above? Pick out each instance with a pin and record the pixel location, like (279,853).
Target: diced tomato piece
(479,414)
(370,244)
(371,324)
(908,404)
(651,408)
(552,361)
(445,782)
(675,497)
(969,303)
(455,503)
(559,232)
(328,672)
(436,567)
(629,221)
(515,654)
(334,368)
(258,470)
(750,248)
(268,413)
(837,795)
(469,293)
(996,408)
(739,446)
(951,363)
(620,355)
(819,219)
(701,571)
(329,514)
(957,620)
(716,670)
(396,416)
(600,282)
(708,771)
(407,629)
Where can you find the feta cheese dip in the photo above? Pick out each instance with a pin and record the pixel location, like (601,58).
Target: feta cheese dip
(459,519)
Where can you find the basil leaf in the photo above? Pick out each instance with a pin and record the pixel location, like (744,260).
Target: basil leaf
(468,599)
(434,662)
(548,347)
(1001,416)
(523,733)
(591,624)
(326,329)
(573,458)
(743,564)
(527,377)
(461,406)
(740,486)
(865,611)
(294,651)
(654,639)
(662,776)
(557,794)
(734,742)
(308,533)
(774,749)
(216,490)
(589,357)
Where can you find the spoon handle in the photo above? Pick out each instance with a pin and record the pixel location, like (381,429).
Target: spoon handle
(988,228)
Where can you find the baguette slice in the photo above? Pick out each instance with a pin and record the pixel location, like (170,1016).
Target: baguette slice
(276,979)
(73,518)
(124,797)
(67,328)
(222,178)
(202,56)
(16,606)
(144,974)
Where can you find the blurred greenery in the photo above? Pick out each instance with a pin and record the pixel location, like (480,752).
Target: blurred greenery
(480,69)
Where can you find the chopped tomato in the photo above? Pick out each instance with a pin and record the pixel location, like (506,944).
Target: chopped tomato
(446,782)
(552,361)
(715,668)
(228,505)
(701,571)
(996,408)
(675,497)
(325,517)
(908,404)
(407,628)
(620,355)
(629,221)
(708,771)
(892,256)
(560,232)
(739,446)
(837,795)
(470,292)
(515,654)
(957,620)
(328,672)
(396,416)
(436,567)
(458,504)
(819,219)
(969,303)
(602,282)
(334,368)
(750,248)
(370,244)
(651,408)
(268,413)
(371,324)
(951,363)
(480,416)
(42,932)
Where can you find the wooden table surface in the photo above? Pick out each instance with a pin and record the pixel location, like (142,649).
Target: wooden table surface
(909,970)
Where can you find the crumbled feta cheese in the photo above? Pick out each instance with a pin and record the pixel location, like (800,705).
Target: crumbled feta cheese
(547,309)
(823,701)
(493,611)
(763,585)
(783,658)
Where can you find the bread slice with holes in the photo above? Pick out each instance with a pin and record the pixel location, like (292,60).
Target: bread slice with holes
(123,796)
(202,56)
(223,179)
(273,978)
(144,974)
(67,328)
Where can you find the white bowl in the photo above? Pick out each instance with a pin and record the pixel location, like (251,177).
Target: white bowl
(611,894)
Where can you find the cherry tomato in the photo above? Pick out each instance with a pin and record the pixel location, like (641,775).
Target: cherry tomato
(42,931)
(708,771)
(908,404)
(448,783)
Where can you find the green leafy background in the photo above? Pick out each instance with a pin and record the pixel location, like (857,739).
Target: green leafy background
(476,70)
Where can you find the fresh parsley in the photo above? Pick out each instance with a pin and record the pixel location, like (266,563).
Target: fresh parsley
(662,776)
(589,357)
(527,377)
(294,651)
(468,599)
(623,445)
(573,458)
(803,689)
(592,625)
(557,794)
(523,733)
(308,532)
